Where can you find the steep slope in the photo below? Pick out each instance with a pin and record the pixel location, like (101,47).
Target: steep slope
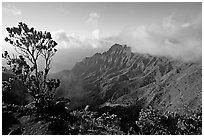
(119,76)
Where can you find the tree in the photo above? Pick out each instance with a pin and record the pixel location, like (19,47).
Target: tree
(31,44)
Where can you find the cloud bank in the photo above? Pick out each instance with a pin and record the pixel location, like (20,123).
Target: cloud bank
(176,36)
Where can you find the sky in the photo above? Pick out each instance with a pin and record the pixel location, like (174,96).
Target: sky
(81,29)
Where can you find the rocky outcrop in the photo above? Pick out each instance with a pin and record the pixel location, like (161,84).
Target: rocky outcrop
(119,76)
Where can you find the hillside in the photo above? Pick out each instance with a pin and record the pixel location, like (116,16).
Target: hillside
(121,77)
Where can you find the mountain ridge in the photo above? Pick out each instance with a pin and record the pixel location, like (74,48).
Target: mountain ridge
(119,76)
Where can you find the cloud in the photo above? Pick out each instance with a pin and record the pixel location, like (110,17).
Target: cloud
(93,19)
(65,40)
(176,36)
(12,10)
(96,34)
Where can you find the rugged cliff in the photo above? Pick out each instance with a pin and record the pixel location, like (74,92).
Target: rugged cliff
(120,77)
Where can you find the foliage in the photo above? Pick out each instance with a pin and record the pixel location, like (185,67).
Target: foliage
(31,44)
(82,122)
(157,122)
(150,122)
(89,122)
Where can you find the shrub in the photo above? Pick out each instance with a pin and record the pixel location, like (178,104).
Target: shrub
(159,123)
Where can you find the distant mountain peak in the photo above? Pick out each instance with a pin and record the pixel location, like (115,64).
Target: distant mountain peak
(117,47)
(120,76)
